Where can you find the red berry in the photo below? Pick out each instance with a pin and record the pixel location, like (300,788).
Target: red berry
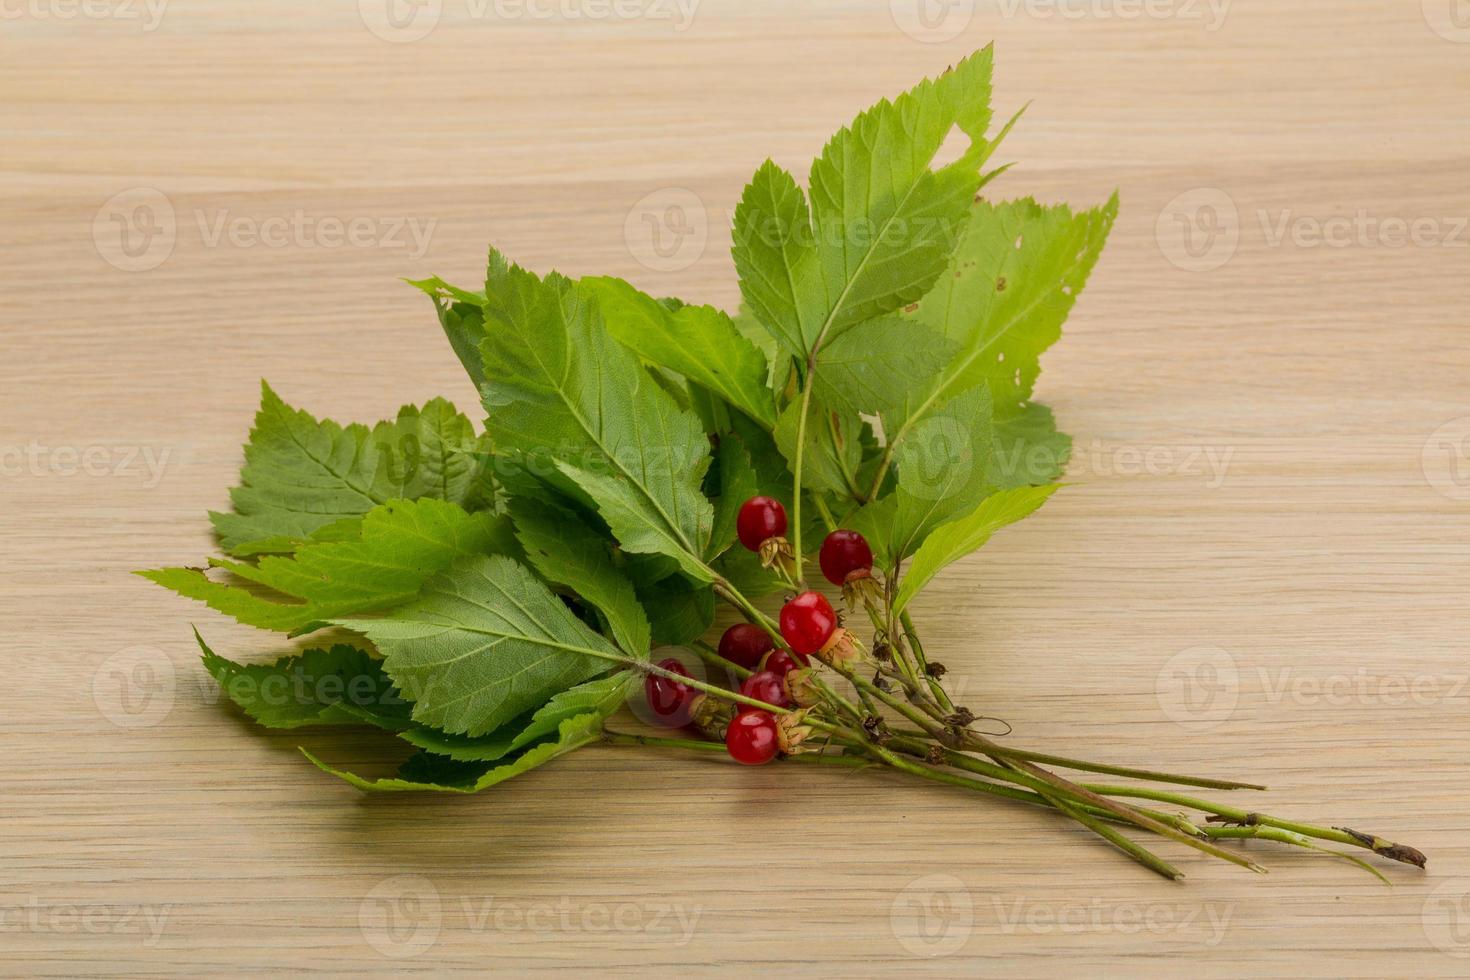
(751,739)
(782,663)
(807,622)
(844,554)
(767,686)
(760,518)
(745,644)
(669,699)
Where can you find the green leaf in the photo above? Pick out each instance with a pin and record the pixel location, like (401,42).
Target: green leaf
(624,504)
(884,222)
(1011,284)
(777,259)
(678,610)
(601,697)
(744,571)
(1014,278)
(340,686)
(347,529)
(1029,451)
(346,686)
(715,414)
(566,552)
(751,329)
(698,342)
(772,475)
(432,773)
(877,367)
(881,223)
(486,642)
(833,452)
(561,388)
(942,467)
(958,538)
(438,289)
(881,228)
(302,474)
(738,483)
(398,546)
(462,315)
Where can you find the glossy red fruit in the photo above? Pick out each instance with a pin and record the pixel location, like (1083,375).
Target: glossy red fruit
(767,686)
(760,518)
(745,644)
(807,622)
(782,663)
(667,698)
(752,739)
(845,554)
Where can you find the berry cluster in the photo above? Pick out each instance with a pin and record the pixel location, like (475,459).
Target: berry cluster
(779,677)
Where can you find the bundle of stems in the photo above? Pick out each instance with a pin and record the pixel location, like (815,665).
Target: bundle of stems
(899,717)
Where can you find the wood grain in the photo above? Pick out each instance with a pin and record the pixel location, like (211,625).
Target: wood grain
(1271,480)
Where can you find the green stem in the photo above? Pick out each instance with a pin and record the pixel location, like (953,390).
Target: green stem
(868,705)
(1043,781)
(695,745)
(723,694)
(1249,818)
(1148,774)
(882,473)
(806,404)
(1082,765)
(838,701)
(1131,848)
(1032,797)
(1297,840)
(710,655)
(1035,777)
(825,511)
(931,730)
(920,749)
(1052,795)
(1133,816)
(952,779)
(732,595)
(1140,854)
(908,711)
(903,671)
(940,694)
(1097,815)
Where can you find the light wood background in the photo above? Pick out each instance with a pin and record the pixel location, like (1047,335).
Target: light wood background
(1272,482)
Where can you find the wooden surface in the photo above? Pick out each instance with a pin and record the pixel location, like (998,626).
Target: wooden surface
(1261,570)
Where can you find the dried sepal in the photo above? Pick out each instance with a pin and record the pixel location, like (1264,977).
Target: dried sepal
(791,730)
